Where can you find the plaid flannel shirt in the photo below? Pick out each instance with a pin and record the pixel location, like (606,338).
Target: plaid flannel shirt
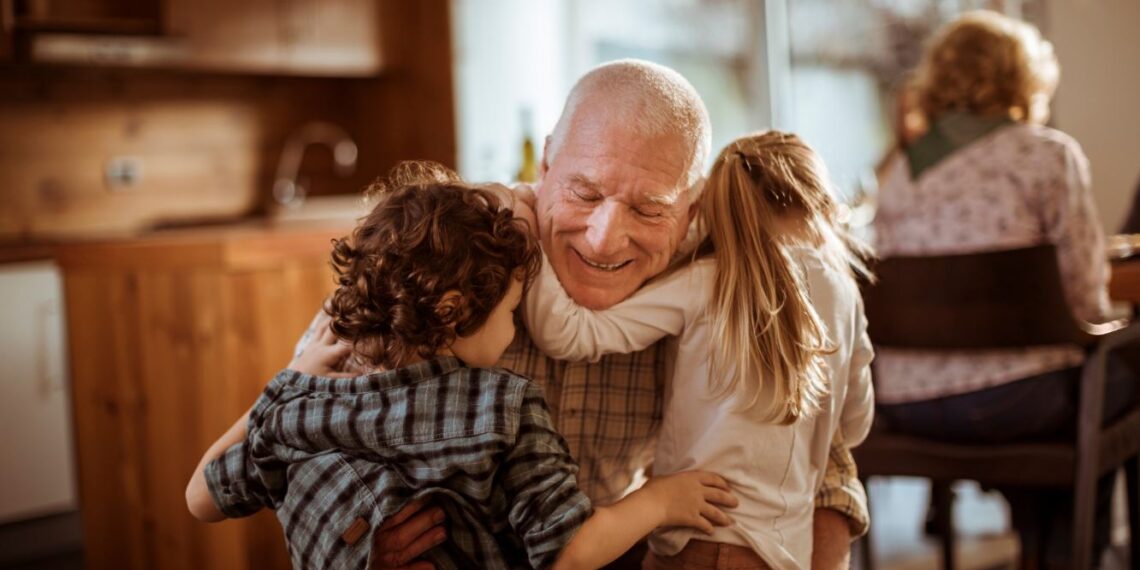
(336,457)
(609,413)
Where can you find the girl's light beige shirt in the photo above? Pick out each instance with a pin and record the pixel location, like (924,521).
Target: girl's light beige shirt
(1019,186)
(775,471)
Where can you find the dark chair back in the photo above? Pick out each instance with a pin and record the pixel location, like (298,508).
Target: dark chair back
(999,299)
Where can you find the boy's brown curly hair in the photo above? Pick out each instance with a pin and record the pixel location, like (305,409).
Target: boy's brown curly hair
(428,234)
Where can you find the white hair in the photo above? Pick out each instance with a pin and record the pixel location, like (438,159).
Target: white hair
(652,99)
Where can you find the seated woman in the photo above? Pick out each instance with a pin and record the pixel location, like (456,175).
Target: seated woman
(1132,222)
(988,175)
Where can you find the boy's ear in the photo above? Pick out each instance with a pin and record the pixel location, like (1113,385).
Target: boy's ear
(450,307)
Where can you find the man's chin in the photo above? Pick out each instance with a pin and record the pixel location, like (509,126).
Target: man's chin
(598,298)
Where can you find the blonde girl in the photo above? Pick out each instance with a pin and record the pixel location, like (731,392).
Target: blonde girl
(771,359)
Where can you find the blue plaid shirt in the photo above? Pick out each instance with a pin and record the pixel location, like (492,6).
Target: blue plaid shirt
(336,457)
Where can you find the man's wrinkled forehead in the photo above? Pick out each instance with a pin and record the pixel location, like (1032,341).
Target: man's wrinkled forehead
(614,159)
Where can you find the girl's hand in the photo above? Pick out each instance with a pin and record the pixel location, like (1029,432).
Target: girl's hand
(325,355)
(693,498)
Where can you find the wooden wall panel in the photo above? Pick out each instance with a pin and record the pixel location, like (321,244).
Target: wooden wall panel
(209,143)
(208,147)
(414,105)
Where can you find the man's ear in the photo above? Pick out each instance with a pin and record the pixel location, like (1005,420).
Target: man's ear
(450,307)
(544,165)
(695,191)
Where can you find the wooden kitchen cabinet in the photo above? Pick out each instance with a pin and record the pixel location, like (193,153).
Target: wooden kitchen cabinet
(333,38)
(287,37)
(7,23)
(171,338)
(38,478)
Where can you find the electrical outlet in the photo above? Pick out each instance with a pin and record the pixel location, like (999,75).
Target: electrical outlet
(123,172)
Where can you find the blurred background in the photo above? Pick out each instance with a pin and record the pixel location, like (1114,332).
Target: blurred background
(171,173)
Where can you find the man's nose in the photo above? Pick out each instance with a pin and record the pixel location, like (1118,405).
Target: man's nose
(607,232)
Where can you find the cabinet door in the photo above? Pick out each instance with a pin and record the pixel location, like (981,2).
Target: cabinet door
(7,22)
(287,37)
(39,472)
(224,35)
(330,37)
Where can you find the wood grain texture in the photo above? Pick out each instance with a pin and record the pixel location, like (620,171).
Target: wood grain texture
(209,143)
(164,358)
(207,147)
(335,38)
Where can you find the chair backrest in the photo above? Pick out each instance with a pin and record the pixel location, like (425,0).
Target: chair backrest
(999,299)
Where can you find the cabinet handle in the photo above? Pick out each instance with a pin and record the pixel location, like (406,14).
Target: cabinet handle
(49,380)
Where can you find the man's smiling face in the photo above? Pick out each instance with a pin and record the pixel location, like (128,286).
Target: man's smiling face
(612,208)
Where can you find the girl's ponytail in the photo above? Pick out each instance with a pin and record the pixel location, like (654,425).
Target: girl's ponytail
(768,341)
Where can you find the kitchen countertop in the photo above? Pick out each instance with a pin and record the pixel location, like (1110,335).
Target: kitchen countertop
(242,245)
(35,251)
(303,229)
(250,243)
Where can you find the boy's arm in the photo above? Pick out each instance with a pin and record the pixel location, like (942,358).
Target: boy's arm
(565,330)
(317,352)
(539,480)
(553,517)
(692,498)
(198,497)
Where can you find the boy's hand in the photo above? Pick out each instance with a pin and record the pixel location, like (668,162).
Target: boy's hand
(693,499)
(519,198)
(525,194)
(325,355)
(406,536)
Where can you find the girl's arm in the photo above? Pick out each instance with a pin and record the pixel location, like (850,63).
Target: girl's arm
(553,518)
(565,330)
(859,405)
(692,498)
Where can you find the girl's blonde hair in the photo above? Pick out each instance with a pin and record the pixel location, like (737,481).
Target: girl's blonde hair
(988,64)
(769,342)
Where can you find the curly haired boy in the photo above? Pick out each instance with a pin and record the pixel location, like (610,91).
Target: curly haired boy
(428,284)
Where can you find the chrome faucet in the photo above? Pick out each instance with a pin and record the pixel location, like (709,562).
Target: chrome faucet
(287,190)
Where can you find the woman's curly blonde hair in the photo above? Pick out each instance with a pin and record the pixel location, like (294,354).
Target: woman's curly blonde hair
(987,64)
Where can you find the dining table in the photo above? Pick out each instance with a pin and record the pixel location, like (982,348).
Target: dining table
(1124,256)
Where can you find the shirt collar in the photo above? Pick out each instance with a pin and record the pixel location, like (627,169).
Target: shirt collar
(949,133)
(403,376)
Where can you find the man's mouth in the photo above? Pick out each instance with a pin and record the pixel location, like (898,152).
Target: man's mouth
(603,266)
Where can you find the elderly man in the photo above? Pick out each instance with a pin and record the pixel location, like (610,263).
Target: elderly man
(616,198)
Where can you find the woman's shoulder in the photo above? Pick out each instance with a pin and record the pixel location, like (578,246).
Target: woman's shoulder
(1042,138)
